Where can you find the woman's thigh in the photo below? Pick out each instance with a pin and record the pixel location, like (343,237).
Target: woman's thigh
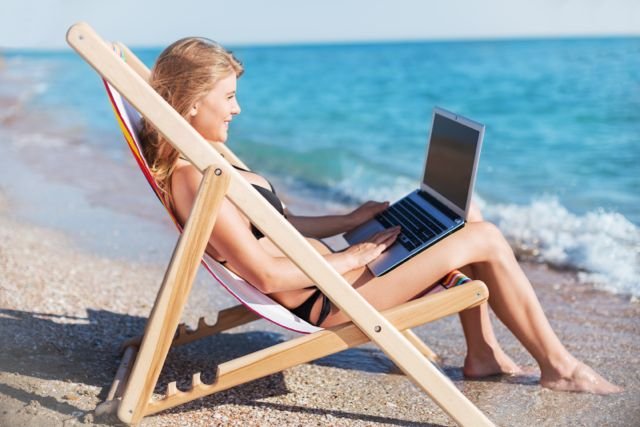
(292,299)
(469,245)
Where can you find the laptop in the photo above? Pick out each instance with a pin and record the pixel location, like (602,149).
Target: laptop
(441,204)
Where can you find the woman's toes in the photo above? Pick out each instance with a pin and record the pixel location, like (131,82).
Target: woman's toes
(583,379)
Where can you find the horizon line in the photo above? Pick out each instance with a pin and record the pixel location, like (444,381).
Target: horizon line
(360,42)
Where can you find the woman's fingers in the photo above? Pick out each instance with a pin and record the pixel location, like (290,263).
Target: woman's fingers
(385,235)
(371,249)
(370,252)
(379,242)
(391,237)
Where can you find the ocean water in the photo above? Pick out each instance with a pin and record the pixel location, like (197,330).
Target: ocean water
(346,123)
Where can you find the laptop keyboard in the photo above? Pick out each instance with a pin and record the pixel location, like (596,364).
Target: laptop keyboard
(418,226)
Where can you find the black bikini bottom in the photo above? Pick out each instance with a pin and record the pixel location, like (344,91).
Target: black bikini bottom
(303,311)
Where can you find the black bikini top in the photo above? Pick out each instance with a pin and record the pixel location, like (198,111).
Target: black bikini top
(270,196)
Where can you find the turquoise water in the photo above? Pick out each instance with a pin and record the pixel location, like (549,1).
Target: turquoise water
(346,123)
(562,117)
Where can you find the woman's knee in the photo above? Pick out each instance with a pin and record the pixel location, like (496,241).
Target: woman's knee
(475,215)
(491,239)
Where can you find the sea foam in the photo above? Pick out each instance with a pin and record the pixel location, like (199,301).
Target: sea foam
(604,247)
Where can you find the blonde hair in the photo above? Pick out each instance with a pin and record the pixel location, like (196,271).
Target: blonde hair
(185,72)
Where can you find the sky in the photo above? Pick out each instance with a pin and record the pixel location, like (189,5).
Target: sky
(42,24)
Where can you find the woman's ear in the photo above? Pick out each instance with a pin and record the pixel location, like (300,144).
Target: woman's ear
(194,109)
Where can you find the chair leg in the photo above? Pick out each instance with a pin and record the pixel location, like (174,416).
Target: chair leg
(110,405)
(422,347)
(172,297)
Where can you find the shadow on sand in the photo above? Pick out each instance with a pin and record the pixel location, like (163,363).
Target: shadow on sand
(85,350)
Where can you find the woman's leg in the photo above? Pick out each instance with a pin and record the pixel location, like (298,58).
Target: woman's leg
(292,299)
(484,357)
(511,297)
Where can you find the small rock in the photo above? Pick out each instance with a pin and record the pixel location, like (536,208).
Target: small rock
(32,407)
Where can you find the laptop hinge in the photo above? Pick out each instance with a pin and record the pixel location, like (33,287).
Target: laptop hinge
(439,205)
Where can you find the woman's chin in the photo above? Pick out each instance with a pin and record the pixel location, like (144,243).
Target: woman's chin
(217,140)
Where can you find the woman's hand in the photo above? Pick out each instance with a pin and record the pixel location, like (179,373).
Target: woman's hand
(363,253)
(365,212)
(330,225)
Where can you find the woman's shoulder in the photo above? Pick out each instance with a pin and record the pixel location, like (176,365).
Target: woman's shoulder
(185,174)
(185,180)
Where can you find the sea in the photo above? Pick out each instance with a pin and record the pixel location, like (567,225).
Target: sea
(338,124)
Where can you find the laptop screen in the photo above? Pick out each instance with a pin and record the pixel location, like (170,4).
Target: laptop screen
(450,160)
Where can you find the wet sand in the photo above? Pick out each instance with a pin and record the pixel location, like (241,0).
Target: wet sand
(82,253)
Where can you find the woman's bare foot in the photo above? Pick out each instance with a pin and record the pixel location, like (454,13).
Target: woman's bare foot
(488,363)
(581,379)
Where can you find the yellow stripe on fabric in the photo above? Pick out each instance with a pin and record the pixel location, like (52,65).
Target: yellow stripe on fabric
(127,135)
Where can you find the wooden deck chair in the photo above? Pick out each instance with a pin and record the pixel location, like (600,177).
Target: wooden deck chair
(131,393)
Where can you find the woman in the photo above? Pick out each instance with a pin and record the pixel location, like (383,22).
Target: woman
(198,78)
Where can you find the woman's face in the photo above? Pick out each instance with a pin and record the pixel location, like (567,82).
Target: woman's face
(211,115)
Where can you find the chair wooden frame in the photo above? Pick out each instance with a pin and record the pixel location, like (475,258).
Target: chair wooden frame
(131,394)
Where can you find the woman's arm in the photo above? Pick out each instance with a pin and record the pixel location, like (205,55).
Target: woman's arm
(320,226)
(330,225)
(233,240)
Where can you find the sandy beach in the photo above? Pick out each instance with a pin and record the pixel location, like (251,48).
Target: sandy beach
(83,248)
(65,311)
